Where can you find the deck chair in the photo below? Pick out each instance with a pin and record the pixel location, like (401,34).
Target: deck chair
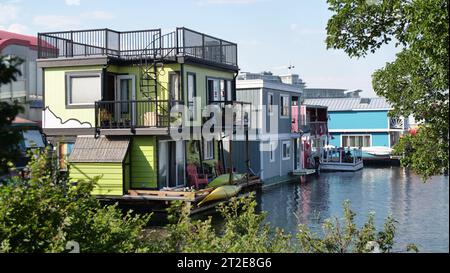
(194,177)
(219,168)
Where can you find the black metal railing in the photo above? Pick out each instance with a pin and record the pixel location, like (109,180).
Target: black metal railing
(133,114)
(132,45)
(241,112)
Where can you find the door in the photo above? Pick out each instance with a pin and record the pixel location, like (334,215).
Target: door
(125,92)
(171,163)
(296,154)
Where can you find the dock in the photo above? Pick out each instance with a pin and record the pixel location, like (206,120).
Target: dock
(159,200)
(301,172)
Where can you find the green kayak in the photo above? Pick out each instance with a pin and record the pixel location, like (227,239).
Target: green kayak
(224,179)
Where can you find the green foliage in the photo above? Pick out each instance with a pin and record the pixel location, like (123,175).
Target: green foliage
(243,230)
(8,69)
(424,151)
(42,215)
(342,236)
(416,83)
(9,139)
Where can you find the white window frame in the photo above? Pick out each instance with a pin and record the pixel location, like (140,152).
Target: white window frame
(287,142)
(68,82)
(207,156)
(282,107)
(356,135)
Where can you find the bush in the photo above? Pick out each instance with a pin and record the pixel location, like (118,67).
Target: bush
(42,214)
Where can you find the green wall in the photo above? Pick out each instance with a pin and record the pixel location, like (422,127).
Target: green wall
(143,162)
(55,93)
(163,78)
(110,182)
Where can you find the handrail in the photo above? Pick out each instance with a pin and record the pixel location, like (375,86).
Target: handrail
(129,45)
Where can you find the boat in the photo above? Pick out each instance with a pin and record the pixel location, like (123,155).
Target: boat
(341,159)
(224,179)
(220,193)
(378,150)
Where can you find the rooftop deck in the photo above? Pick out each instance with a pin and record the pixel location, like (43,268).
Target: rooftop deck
(137,45)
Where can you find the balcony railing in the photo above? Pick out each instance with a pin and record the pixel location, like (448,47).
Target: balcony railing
(241,114)
(133,114)
(135,45)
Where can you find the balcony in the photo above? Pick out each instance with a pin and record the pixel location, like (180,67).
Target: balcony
(133,114)
(133,46)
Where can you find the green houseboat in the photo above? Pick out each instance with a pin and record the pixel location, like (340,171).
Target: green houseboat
(107,101)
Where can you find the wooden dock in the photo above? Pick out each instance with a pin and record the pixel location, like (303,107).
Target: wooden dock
(159,200)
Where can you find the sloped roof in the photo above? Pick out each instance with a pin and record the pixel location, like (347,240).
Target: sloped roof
(102,149)
(349,104)
(9,38)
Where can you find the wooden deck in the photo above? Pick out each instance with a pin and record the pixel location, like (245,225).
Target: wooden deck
(159,200)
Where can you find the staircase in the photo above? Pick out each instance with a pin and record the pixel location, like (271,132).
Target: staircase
(150,58)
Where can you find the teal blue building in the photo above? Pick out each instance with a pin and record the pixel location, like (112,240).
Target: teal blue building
(362,123)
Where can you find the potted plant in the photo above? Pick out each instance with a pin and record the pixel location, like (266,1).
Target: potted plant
(105,118)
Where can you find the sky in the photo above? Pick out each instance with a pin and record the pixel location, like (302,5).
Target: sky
(271,34)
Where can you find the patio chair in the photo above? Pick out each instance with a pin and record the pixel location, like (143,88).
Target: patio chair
(194,177)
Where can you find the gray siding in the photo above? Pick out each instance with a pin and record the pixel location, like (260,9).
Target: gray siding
(29,85)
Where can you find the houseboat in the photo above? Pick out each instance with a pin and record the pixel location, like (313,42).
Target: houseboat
(285,135)
(363,123)
(108,97)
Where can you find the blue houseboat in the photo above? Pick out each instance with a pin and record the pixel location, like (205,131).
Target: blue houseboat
(362,123)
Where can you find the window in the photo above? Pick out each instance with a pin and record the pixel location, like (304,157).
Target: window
(272,152)
(208,149)
(356,141)
(191,93)
(219,90)
(174,86)
(286,150)
(33,139)
(284,105)
(83,89)
(64,151)
(270,103)
(229,90)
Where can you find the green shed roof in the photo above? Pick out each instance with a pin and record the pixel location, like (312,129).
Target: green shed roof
(101,149)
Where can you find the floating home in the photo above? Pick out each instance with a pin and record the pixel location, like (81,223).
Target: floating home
(363,123)
(300,131)
(107,101)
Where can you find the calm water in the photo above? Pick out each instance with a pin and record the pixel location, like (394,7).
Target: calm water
(420,209)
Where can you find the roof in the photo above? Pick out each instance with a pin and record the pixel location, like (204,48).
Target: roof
(10,38)
(19,120)
(350,104)
(101,149)
(259,83)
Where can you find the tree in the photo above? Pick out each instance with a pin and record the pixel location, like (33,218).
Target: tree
(8,138)
(43,214)
(416,83)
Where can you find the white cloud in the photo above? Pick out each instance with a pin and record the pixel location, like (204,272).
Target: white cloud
(72,2)
(56,22)
(8,12)
(16,28)
(97,15)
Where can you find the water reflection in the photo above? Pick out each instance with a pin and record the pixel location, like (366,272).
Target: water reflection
(420,209)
